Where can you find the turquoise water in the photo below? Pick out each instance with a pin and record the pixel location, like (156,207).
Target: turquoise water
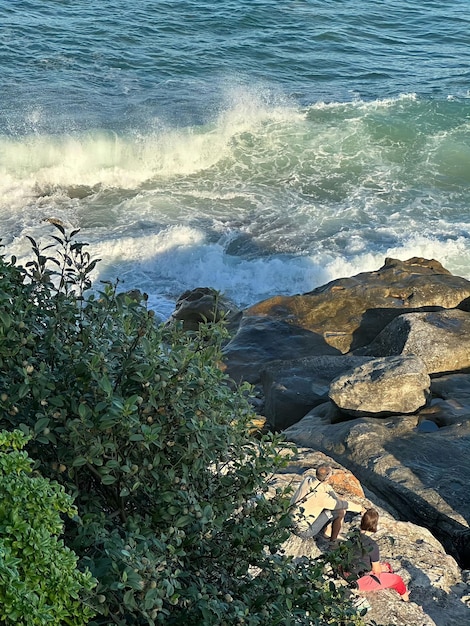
(257,147)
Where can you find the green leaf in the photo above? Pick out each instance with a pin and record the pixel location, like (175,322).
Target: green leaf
(136,437)
(108,421)
(23,390)
(150,598)
(113,464)
(5,320)
(129,599)
(79,461)
(41,424)
(105,385)
(83,411)
(108,479)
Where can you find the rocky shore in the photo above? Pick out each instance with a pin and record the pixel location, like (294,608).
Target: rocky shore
(374,372)
(439,588)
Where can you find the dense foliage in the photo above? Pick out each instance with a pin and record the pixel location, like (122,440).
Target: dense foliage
(136,420)
(39,580)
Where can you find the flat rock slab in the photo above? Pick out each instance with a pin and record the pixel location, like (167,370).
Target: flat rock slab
(436,583)
(452,386)
(445,412)
(423,476)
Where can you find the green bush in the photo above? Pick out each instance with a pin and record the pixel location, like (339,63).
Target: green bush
(137,421)
(39,579)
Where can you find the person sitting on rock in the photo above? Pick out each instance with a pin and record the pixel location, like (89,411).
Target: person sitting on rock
(365,561)
(317,506)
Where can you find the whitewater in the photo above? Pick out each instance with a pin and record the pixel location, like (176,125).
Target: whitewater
(252,147)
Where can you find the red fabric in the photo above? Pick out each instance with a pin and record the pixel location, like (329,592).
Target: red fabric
(385,580)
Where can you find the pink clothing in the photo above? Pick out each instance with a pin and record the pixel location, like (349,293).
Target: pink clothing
(369,559)
(385,580)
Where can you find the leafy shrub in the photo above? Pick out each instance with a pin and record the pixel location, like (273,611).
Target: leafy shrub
(137,421)
(39,579)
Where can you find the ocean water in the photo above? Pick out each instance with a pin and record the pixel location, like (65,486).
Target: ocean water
(254,146)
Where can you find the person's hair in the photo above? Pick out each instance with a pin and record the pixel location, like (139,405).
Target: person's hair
(323,472)
(370,520)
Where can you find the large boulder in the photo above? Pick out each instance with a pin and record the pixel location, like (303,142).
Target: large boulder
(260,341)
(350,312)
(382,386)
(440,338)
(292,388)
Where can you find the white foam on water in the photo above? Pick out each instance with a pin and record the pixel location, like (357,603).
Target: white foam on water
(97,158)
(316,198)
(167,263)
(125,161)
(180,258)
